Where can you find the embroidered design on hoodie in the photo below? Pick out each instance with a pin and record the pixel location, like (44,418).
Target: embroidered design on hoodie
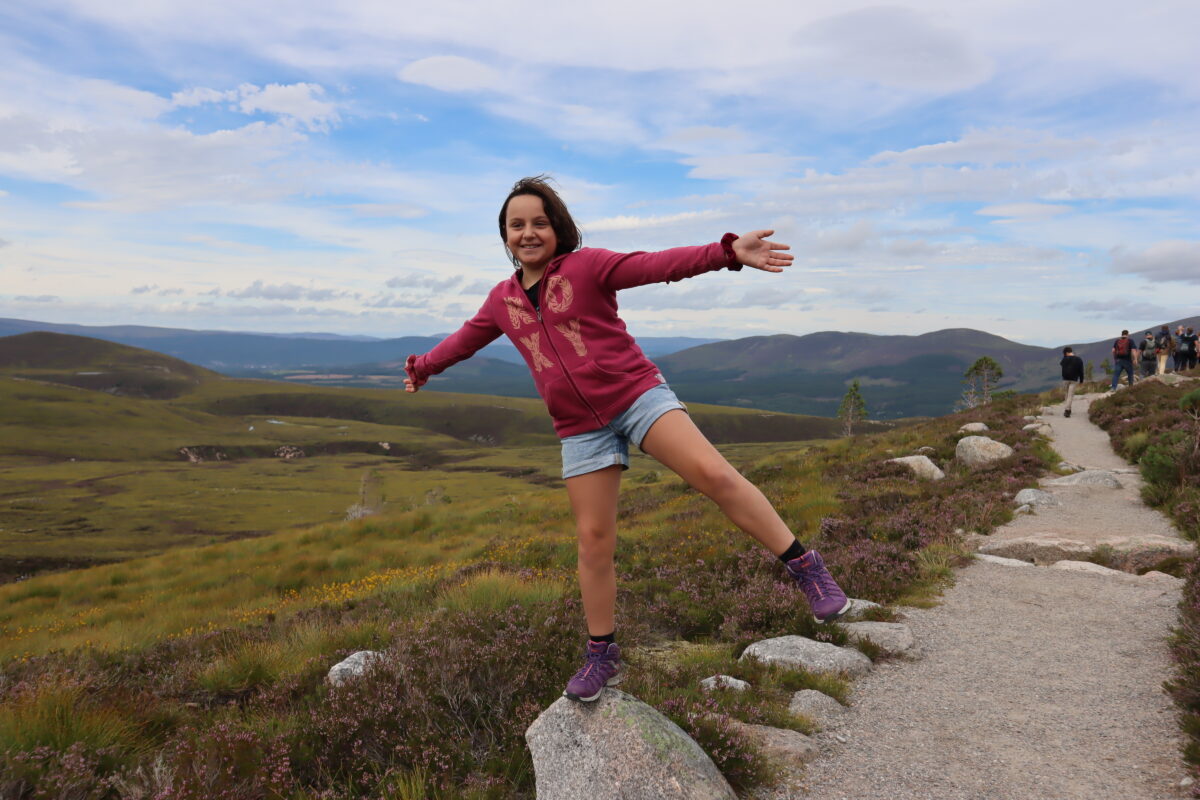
(517,315)
(559,294)
(533,342)
(570,330)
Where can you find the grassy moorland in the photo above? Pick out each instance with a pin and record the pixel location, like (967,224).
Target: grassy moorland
(198,671)
(109,452)
(1158,427)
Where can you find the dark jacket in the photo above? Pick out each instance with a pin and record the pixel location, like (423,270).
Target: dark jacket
(1072,368)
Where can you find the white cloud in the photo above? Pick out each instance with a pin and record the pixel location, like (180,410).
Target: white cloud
(451,74)
(285,291)
(741,166)
(1172,260)
(991,147)
(1023,211)
(895,47)
(626,222)
(299,101)
(197,96)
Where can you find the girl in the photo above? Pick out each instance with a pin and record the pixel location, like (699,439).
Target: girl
(560,310)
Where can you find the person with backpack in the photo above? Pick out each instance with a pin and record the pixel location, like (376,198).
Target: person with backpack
(1072,375)
(1122,353)
(1164,345)
(1187,346)
(1179,356)
(1149,350)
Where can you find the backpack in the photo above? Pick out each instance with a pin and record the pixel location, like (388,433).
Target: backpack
(1121,347)
(1162,343)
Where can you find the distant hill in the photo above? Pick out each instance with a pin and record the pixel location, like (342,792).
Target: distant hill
(94,364)
(241,353)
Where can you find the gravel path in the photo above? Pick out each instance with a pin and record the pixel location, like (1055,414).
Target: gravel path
(1036,682)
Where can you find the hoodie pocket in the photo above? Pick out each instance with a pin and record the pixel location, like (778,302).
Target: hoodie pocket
(562,401)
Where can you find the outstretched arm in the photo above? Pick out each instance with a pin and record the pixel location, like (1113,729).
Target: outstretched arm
(475,333)
(626,270)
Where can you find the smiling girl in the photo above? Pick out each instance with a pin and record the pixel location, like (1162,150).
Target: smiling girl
(559,308)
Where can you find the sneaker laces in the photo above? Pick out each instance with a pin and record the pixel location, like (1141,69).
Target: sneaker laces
(594,657)
(815,581)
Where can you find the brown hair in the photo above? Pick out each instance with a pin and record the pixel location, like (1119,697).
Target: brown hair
(565,229)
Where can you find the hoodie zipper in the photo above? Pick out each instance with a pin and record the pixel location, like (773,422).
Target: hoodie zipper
(550,341)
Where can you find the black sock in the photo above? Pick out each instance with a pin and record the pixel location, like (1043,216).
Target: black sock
(607,638)
(795,551)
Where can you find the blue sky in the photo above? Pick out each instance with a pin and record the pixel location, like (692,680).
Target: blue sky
(1029,169)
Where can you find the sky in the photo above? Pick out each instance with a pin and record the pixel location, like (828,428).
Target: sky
(1031,169)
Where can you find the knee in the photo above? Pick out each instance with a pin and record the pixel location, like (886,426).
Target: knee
(720,481)
(596,542)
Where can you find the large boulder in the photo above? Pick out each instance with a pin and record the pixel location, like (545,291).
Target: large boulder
(618,748)
(974,427)
(976,451)
(921,466)
(1089,477)
(814,656)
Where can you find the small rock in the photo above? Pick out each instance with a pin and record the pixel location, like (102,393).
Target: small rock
(352,666)
(858,608)
(841,739)
(1067,465)
(974,427)
(1036,497)
(797,651)
(618,747)
(1162,577)
(1089,477)
(921,466)
(892,638)
(1024,508)
(717,682)
(1029,418)
(818,705)
(975,451)
(1038,549)
(783,745)
(1186,782)
(1087,566)
(926,450)
(1002,561)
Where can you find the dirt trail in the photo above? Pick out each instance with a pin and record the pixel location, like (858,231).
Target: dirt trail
(1036,682)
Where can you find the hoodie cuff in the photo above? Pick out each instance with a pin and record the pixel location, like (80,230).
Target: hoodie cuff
(410,368)
(727,245)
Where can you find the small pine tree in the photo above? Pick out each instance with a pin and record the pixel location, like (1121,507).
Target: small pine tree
(1106,366)
(1088,371)
(981,377)
(853,408)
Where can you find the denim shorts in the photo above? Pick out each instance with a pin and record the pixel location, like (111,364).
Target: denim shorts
(609,446)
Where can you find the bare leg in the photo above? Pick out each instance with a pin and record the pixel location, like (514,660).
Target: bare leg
(678,444)
(594,503)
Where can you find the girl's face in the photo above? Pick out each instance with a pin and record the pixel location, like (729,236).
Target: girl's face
(528,232)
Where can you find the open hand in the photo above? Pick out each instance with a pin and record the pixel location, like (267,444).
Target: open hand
(754,250)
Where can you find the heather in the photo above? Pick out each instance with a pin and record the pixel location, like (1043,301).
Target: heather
(474,606)
(1156,426)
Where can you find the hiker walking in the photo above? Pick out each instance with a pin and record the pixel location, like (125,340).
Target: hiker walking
(1164,345)
(1072,375)
(1178,355)
(1122,355)
(1188,351)
(1149,349)
(559,308)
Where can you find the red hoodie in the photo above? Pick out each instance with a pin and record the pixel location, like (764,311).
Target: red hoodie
(586,366)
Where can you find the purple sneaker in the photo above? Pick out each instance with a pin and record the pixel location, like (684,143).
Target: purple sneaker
(603,668)
(825,597)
